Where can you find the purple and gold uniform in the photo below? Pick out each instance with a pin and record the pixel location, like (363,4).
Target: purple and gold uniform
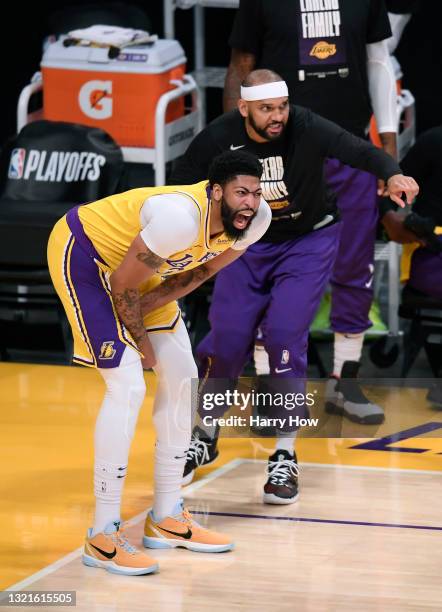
(90,242)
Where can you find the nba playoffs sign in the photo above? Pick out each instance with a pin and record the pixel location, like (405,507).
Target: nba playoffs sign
(56,161)
(55,166)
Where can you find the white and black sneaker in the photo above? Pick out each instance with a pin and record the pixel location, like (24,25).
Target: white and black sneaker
(202,451)
(282,482)
(344,396)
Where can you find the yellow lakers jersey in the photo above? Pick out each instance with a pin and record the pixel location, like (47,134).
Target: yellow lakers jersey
(113,223)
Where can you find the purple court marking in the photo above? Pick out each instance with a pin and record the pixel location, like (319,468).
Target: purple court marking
(382,444)
(314,520)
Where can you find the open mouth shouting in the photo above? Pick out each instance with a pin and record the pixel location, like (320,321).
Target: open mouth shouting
(243,218)
(274,129)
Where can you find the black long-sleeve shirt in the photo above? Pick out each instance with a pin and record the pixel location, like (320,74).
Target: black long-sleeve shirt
(293,174)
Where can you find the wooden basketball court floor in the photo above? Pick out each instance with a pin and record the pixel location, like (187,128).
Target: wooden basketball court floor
(366,533)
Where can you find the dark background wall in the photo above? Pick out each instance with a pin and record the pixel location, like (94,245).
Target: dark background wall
(28,25)
(420,51)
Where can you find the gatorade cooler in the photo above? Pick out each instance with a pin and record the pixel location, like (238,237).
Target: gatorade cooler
(83,85)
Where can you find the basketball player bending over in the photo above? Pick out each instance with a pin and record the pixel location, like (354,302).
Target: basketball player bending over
(104,259)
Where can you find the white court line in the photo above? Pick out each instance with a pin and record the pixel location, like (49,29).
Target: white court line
(355,467)
(215,474)
(49,569)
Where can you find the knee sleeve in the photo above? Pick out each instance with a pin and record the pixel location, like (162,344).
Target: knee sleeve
(115,427)
(125,393)
(177,380)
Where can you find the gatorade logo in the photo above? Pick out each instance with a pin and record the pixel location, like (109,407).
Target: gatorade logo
(95,99)
(55,166)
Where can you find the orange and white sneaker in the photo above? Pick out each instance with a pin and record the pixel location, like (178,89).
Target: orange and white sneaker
(111,550)
(181,530)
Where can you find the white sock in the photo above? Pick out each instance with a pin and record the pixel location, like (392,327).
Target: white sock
(348,347)
(168,474)
(172,415)
(108,485)
(286,442)
(261,359)
(115,426)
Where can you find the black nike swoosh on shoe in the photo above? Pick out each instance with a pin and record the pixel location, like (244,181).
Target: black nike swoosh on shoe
(108,555)
(183,457)
(186,535)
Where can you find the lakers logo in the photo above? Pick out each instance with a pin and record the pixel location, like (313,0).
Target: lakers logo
(323,50)
(279,205)
(107,350)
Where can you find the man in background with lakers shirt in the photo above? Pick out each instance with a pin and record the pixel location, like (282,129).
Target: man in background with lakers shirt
(281,278)
(334,57)
(105,258)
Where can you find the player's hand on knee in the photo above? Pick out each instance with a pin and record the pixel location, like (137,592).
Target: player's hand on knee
(148,360)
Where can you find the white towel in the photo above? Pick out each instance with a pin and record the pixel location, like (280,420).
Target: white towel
(113,36)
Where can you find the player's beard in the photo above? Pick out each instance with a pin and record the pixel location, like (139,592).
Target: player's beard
(263,131)
(228,215)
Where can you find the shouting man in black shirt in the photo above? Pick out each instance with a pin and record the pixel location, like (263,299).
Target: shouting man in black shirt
(334,56)
(281,278)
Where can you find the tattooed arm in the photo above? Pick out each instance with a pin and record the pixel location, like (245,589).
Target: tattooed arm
(179,285)
(138,265)
(241,63)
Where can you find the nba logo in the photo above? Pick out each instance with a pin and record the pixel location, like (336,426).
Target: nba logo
(16,163)
(285,356)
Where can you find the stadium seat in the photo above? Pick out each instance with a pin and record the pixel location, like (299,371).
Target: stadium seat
(44,171)
(425,329)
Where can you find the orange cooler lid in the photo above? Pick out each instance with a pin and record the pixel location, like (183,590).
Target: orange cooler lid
(159,57)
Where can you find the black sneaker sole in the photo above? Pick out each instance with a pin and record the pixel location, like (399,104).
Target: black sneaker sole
(271,498)
(371,419)
(186,480)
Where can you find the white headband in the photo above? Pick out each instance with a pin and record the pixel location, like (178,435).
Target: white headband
(277,89)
